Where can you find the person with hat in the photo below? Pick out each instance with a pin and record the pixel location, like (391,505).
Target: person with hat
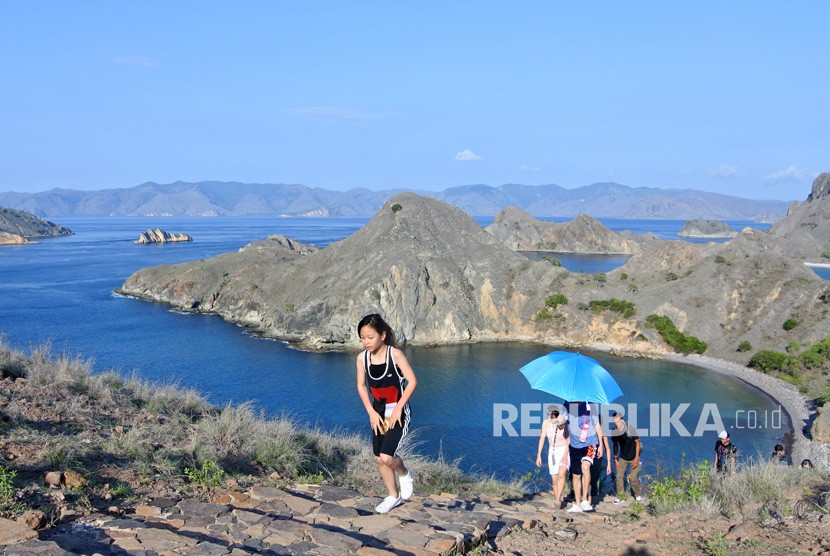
(726,454)
(554,429)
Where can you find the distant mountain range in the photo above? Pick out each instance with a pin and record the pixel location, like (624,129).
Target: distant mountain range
(210,198)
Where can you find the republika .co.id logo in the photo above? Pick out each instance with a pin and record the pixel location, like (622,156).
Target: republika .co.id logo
(662,419)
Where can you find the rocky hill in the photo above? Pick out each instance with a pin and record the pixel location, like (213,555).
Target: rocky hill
(440,278)
(520,231)
(240,199)
(806,230)
(17,226)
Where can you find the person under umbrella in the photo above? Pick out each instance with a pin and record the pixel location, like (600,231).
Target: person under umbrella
(585,445)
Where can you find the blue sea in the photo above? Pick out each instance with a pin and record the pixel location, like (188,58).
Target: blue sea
(472,403)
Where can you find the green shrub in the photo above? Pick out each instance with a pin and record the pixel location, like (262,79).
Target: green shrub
(209,475)
(6,487)
(288,307)
(623,276)
(552,260)
(720,259)
(543,314)
(626,308)
(600,276)
(672,336)
(396,207)
(556,300)
(717,546)
(744,346)
(768,360)
(816,355)
(671,277)
(682,490)
(789,324)
(826,255)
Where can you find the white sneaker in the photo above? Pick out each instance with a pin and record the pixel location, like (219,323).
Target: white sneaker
(639,498)
(617,501)
(585,506)
(574,509)
(406,485)
(388,503)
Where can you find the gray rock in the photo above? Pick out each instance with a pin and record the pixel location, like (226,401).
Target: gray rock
(820,430)
(821,187)
(566,534)
(195,509)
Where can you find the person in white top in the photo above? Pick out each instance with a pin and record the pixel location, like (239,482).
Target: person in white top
(555,431)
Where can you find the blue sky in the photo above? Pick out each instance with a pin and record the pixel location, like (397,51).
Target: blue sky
(720,96)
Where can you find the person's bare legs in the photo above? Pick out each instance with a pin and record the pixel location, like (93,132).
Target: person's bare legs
(559,484)
(586,479)
(577,484)
(388,465)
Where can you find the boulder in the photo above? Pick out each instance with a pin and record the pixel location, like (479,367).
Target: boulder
(12,532)
(820,430)
(53,479)
(34,519)
(73,479)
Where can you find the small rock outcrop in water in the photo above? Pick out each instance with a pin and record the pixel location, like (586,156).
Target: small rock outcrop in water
(160,236)
(707,229)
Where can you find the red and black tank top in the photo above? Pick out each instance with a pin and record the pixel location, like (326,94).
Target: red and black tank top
(386,382)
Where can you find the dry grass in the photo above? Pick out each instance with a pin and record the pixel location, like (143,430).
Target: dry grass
(59,415)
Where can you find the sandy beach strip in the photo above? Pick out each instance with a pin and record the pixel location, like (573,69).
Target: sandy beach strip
(793,402)
(818,265)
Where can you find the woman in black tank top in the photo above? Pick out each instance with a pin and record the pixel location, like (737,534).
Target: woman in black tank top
(385,383)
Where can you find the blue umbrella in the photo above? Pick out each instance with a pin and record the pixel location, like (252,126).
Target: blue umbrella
(572,377)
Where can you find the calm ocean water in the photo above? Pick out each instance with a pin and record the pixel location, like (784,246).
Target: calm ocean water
(60,291)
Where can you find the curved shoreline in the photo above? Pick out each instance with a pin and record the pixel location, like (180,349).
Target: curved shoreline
(787,396)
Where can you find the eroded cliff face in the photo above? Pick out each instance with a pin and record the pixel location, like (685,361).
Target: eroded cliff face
(439,278)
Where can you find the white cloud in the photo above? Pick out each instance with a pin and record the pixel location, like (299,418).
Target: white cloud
(334,114)
(790,174)
(725,171)
(467,156)
(134,61)
(526,168)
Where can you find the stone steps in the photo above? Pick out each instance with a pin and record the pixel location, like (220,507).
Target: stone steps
(307,519)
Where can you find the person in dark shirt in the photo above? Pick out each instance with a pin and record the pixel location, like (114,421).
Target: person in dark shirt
(726,454)
(627,449)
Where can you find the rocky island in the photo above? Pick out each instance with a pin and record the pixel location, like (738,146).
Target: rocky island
(18,227)
(707,229)
(161,236)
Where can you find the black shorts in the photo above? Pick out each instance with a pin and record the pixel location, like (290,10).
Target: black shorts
(587,453)
(390,442)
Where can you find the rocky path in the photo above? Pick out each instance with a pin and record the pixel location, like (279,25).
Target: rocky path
(306,520)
